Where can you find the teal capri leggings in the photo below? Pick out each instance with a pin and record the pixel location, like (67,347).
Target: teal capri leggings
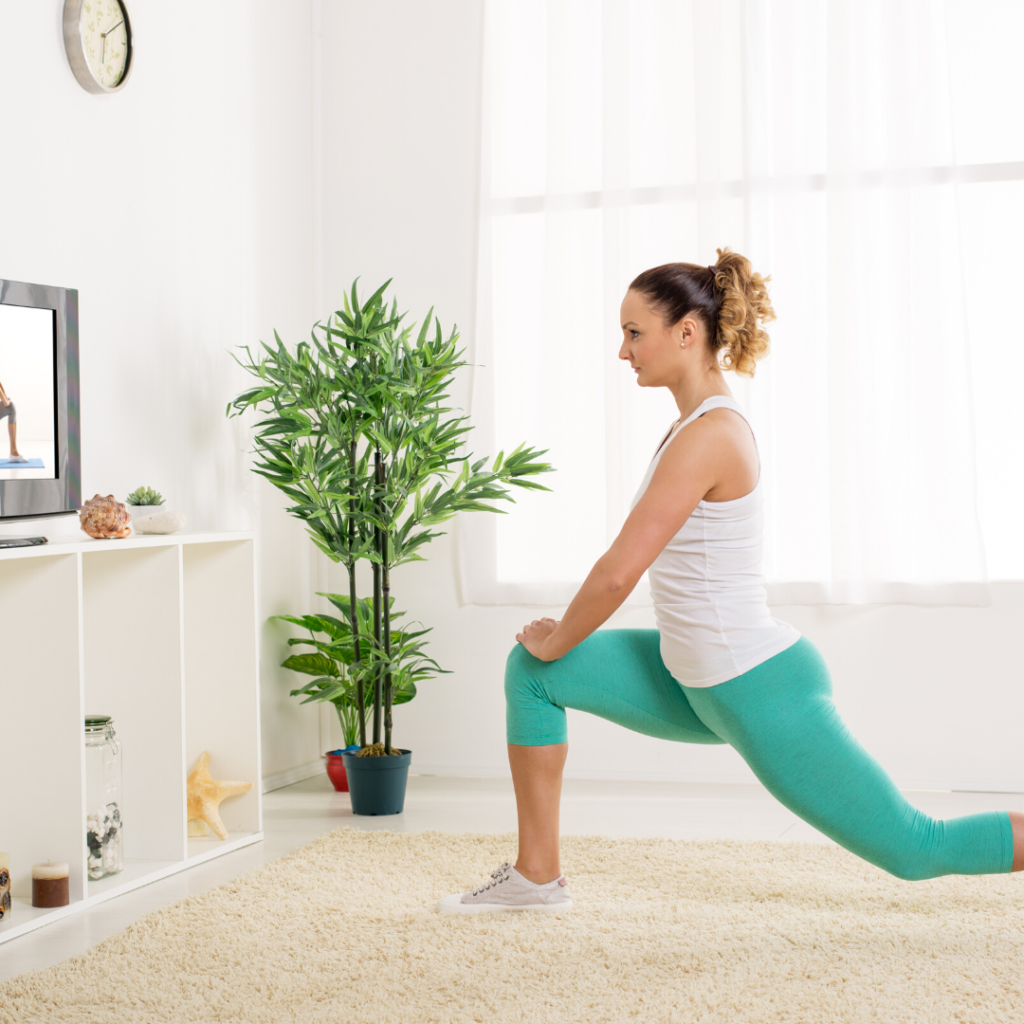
(781,719)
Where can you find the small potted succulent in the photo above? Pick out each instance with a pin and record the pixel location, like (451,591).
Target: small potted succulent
(144,501)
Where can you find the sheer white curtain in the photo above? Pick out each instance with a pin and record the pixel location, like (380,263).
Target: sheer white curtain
(818,138)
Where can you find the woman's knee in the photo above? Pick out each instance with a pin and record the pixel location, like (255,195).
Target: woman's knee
(521,676)
(907,867)
(913,872)
(518,655)
(517,667)
(532,717)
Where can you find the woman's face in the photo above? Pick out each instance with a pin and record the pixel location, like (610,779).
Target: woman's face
(652,349)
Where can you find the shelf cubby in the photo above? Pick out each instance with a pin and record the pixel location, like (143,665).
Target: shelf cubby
(160,633)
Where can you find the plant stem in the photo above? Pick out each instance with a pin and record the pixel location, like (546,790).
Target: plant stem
(386,572)
(353,616)
(377,601)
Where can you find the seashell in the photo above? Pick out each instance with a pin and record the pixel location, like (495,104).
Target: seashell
(160,522)
(105,518)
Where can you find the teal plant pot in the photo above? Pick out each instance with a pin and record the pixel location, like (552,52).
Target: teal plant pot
(376,785)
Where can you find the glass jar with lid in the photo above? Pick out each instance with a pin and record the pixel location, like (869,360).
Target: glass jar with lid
(103,825)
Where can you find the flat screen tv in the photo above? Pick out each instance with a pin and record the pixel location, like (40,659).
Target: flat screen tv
(40,455)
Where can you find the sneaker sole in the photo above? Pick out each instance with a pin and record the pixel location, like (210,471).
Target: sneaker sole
(453,905)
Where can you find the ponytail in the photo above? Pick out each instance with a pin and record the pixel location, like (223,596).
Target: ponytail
(743,308)
(728,297)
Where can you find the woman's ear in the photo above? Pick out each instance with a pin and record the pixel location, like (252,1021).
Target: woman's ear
(685,331)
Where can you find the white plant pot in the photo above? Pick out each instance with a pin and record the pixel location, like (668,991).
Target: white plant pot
(138,511)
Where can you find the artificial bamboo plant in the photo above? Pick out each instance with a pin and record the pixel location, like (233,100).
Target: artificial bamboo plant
(357,435)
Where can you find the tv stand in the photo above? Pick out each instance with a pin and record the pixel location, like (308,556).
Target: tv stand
(159,632)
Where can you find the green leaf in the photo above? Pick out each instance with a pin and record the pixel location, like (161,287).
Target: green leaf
(312,664)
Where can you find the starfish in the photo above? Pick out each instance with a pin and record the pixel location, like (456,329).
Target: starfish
(205,795)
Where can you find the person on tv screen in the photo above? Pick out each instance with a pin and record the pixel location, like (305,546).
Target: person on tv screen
(8,411)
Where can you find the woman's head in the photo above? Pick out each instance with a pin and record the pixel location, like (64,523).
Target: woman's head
(682,318)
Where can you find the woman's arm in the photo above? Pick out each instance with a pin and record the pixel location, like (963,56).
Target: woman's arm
(688,469)
(593,604)
(3,396)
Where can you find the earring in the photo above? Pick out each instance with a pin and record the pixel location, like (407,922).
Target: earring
(682,344)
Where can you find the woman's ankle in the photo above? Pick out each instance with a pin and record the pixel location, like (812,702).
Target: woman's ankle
(538,872)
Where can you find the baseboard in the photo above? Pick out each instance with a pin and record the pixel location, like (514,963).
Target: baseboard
(602,774)
(307,771)
(461,771)
(908,785)
(290,776)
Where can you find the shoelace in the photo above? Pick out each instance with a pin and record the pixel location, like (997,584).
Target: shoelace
(498,875)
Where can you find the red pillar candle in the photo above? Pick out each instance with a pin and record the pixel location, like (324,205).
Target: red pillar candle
(50,885)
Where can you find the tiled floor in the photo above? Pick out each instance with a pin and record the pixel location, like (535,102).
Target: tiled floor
(299,813)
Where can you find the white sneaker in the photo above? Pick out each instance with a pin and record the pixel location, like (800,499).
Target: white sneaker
(17,458)
(509,890)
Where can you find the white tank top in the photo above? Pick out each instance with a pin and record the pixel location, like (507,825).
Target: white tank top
(709,596)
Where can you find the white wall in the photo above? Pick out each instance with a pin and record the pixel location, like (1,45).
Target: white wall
(181,209)
(937,694)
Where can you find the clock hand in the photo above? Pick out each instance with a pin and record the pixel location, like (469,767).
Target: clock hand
(103,36)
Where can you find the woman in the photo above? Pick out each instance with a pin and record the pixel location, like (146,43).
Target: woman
(719,668)
(8,411)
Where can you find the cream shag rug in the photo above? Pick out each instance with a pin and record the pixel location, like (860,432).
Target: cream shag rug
(344,930)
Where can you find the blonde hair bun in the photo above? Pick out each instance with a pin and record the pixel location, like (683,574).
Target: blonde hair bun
(728,297)
(743,310)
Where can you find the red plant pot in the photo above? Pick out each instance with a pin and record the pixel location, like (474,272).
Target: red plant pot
(336,772)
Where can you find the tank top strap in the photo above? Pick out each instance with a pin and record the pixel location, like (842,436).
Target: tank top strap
(712,402)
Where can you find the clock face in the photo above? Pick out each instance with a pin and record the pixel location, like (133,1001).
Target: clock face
(104,30)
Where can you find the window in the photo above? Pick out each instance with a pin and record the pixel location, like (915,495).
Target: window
(870,157)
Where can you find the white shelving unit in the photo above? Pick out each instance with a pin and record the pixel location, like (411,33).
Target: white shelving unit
(161,634)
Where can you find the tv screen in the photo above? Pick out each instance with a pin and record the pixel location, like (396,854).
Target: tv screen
(39,440)
(28,393)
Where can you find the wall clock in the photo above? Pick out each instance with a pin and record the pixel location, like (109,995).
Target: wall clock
(98,41)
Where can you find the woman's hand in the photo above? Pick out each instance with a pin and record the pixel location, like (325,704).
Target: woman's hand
(534,635)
